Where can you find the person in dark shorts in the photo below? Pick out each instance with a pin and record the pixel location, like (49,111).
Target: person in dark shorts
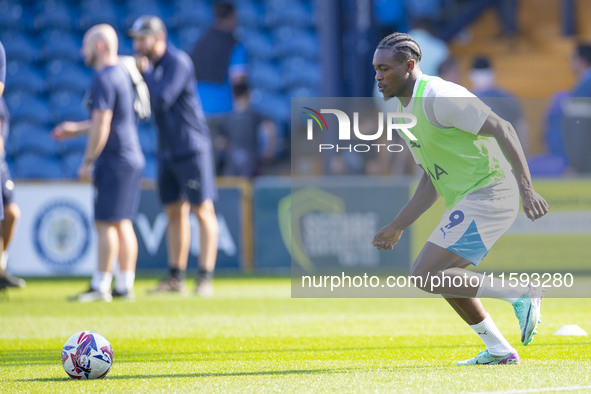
(113,161)
(186,176)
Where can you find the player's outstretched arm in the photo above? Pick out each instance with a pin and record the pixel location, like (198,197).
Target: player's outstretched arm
(70,129)
(534,205)
(423,198)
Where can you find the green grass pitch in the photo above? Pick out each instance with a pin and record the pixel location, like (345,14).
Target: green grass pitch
(252,337)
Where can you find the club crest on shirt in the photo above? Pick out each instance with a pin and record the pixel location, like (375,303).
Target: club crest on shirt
(158,72)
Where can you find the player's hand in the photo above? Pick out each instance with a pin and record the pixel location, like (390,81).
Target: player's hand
(534,205)
(85,171)
(142,63)
(387,237)
(65,130)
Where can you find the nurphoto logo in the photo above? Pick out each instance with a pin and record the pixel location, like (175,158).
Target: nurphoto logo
(391,120)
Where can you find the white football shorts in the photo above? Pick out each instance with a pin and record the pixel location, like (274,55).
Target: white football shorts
(472,227)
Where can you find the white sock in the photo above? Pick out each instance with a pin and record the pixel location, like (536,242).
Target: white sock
(502,290)
(495,342)
(4,261)
(124,281)
(101,281)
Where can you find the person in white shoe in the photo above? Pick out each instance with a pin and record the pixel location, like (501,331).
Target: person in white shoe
(473,160)
(113,161)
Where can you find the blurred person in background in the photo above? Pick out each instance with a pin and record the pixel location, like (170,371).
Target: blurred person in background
(9,208)
(450,70)
(113,161)
(186,177)
(576,108)
(220,62)
(240,132)
(435,49)
(502,102)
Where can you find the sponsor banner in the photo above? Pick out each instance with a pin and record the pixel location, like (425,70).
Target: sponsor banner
(331,223)
(326,224)
(151,224)
(55,234)
(56,237)
(270,248)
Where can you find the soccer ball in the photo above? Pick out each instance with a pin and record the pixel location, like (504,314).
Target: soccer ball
(87,355)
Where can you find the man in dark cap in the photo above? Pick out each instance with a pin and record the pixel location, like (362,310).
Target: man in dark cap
(185,167)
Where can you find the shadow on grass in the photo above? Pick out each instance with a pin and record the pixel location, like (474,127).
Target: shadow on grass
(45,356)
(205,375)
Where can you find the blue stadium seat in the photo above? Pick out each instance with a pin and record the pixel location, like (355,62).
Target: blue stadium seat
(61,45)
(24,77)
(391,13)
(258,43)
(147,136)
(68,75)
(54,13)
(250,14)
(29,108)
(302,91)
(190,14)
(135,9)
(265,75)
(151,168)
(72,145)
(125,46)
(11,14)
(292,41)
(102,15)
(97,5)
(173,38)
(34,166)
(271,104)
(188,36)
(19,47)
(424,9)
(70,164)
(33,140)
(300,72)
(94,12)
(67,105)
(290,13)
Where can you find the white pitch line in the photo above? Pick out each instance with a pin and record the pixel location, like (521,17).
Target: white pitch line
(538,390)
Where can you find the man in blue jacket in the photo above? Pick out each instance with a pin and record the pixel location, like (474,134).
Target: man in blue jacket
(186,179)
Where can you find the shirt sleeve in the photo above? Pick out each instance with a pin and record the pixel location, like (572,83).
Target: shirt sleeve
(164,93)
(2,64)
(238,61)
(101,95)
(456,107)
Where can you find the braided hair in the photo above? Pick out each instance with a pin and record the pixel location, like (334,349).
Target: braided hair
(403,46)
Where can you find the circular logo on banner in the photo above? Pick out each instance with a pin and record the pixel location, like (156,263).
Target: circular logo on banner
(61,233)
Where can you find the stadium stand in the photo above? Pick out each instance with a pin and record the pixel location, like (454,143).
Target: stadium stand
(71,163)
(35,166)
(46,78)
(24,77)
